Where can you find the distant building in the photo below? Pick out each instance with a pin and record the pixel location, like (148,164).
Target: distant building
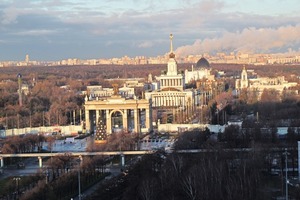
(259,84)
(202,70)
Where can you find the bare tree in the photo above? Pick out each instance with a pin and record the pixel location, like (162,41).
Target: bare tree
(147,188)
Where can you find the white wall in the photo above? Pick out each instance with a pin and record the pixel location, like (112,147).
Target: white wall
(66,130)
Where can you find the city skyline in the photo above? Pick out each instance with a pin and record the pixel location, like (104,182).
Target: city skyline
(60,29)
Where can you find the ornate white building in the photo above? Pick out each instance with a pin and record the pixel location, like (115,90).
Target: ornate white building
(260,83)
(243,82)
(201,71)
(171,90)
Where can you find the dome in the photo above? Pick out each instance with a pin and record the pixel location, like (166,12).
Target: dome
(202,63)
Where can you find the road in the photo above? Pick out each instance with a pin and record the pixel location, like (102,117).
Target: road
(32,165)
(31,168)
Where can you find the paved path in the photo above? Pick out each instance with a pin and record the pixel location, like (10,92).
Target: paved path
(115,170)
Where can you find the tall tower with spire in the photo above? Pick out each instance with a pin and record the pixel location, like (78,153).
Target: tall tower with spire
(172,79)
(171,92)
(244,78)
(172,64)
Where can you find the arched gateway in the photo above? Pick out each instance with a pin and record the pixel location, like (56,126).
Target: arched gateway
(133,115)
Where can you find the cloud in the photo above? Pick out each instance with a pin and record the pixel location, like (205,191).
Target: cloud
(37,32)
(145,44)
(141,27)
(10,15)
(256,40)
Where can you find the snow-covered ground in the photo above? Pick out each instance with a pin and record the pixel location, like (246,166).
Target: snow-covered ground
(148,143)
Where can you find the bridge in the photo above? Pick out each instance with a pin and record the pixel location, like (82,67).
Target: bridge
(73,154)
(121,153)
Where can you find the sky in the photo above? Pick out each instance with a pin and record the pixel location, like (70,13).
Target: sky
(49,30)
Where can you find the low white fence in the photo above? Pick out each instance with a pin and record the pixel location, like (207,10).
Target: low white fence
(65,130)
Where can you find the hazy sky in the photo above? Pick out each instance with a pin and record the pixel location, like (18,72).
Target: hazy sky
(60,29)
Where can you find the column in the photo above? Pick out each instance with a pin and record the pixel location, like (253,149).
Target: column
(40,162)
(80,116)
(159,101)
(1,162)
(148,120)
(136,121)
(97,117)
(125,121)
(87,121)
(108,122)
(173,100)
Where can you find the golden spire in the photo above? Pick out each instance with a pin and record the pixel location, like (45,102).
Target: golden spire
(171,55)
(171,41)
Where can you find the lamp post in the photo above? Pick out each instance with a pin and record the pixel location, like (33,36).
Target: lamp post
(17,179)
(47,175)
(286,175)
(79,187)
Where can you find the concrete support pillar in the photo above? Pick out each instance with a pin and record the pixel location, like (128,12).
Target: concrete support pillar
(81,160)
(40,162)
(87,121)
(108,122)
(125,120)
(1,162)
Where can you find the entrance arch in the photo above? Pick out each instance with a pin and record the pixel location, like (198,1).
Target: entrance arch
(117,123)
(115,108)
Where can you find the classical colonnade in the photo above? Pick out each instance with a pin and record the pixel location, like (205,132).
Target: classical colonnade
(171,82)
(176,99)
(105,109)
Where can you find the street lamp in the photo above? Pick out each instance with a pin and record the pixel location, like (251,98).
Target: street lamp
(47,174)
(79,187)
(286,175)
(17,179)
(79,192)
